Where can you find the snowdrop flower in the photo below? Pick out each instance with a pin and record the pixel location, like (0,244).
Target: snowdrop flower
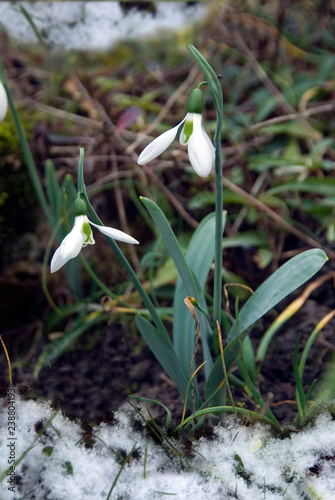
(200,148)
(3,102)
(81,235)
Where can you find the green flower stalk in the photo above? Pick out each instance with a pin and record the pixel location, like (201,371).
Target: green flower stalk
(216,93)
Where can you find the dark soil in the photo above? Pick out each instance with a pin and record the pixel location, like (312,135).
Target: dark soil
(107,364)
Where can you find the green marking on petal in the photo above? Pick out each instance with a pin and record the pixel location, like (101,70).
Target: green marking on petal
(188,129)
(88,236)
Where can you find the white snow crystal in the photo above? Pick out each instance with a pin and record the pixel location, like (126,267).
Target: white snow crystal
(249,462)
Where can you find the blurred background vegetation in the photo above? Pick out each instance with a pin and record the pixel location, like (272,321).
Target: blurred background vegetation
(276,61)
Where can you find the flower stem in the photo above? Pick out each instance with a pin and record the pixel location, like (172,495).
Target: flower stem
(218,224)
(100,284)
(122,259)
(216,92)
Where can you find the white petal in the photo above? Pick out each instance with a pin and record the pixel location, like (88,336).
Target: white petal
(158,145)
(3,102)
(70,246)
(115,234)
(200,148)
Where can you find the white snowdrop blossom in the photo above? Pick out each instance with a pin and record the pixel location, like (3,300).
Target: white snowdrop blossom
(80,236)
(201,151)
(3,102)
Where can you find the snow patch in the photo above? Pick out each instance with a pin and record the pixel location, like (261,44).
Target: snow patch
(248,463)
(93,25)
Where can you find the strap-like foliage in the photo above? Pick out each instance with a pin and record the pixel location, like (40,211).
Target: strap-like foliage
(281,283)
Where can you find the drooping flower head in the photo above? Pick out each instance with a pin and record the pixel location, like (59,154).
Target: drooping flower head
(3,102)
(81,235)
(200,148)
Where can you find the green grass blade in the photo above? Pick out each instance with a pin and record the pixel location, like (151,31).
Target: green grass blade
(155,402)
(33,27)
(299,390)
(311,340)
(120,471)
(228,409)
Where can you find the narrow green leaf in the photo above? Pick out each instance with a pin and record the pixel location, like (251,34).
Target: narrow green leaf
(189,279)
(53,189)
(299,390)
(325,393)
(164,352)
(120,471)
(199,256)
(220,409)
(173,246)
(249,358)
(80,179)
(154,401)
(211,78)
(281,283)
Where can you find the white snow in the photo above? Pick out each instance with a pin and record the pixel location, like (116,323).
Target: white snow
(92,25)
(249,462)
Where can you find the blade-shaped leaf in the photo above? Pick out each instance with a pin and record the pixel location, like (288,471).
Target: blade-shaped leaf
(172,243)
(211,78)
(54,191)
(281,283)
(189,279)
(199,256)
(164,352)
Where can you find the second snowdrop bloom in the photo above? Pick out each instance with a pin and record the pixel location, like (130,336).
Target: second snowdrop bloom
(201,151)
(81,235)
(3,102)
